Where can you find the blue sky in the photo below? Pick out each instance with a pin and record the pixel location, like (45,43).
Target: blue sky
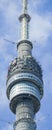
(41,31)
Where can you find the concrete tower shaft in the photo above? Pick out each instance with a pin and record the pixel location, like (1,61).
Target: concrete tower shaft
(24,80)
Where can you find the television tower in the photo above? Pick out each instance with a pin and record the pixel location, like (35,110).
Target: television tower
(24,80)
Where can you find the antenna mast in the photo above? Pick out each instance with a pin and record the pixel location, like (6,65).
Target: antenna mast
(24,19)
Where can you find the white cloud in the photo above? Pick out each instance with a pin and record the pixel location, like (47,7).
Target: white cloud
(3,98)
(2,3)
(38,3)
(11,13)
(40,117)
(4,49)
(7,127)
(2,45)
(41,28)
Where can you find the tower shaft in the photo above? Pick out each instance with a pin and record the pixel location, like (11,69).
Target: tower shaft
(25,2)
(24,116)
(24,19)
(24,29)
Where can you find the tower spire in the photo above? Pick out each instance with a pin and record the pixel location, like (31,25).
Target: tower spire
(24,45)
(25,3)
(24,19)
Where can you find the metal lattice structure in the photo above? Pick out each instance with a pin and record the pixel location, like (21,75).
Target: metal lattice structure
(24,80)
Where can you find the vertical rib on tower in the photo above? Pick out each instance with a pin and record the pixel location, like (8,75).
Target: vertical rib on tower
(24,81)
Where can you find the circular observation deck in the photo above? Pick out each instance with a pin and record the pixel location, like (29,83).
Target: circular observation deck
(24,81)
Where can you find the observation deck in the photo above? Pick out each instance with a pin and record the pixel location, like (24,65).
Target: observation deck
(24,79)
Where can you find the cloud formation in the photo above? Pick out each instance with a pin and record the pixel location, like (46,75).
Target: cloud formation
(41,27)
(7,127)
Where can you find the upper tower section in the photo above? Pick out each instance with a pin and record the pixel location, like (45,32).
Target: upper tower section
(24,45)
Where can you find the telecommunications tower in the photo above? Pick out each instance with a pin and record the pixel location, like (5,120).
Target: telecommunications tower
(24,80)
